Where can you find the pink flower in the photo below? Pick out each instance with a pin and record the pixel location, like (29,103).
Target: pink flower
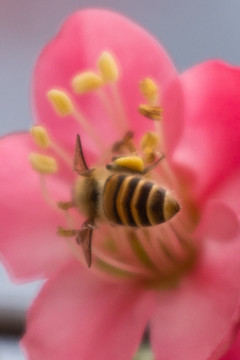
(180,278)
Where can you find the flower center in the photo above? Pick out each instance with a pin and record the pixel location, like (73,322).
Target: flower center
(145,245)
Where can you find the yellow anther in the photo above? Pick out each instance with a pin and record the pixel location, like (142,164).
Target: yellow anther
(150,140)
(149,155)
(149,89)
(107,67)
(61,102)
(134,163)
(40,136)
(43,164)
(151,112)
(86,81)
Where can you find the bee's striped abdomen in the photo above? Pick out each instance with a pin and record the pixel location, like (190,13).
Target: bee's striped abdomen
(155,205)
(133,201)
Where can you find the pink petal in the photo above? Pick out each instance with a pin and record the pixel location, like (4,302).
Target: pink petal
(79,316)
(28,242)
(77,47)
(229,191)
(192,320)
(211,139)
(234,352)
(219,222)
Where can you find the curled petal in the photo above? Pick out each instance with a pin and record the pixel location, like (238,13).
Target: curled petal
(211,139)
(79,316)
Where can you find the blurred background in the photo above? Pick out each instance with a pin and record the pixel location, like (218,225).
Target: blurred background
(191,30)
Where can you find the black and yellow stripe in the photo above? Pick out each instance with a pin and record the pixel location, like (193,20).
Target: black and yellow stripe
(133,201)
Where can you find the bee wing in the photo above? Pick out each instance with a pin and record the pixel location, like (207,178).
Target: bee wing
(79,163)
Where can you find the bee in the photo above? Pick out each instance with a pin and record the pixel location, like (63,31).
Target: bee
(118,195)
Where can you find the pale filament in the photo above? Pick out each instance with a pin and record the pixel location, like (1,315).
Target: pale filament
(149,244)
(157,126)
(59,151)
(138,250)
(157,255)
(166,176)
(118,125)
(142,251)
(89,129)
(45,193)
(120,109)
(120,265)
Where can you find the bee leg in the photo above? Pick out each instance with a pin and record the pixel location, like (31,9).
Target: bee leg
(152,166)
(66,232)
(84,238)
(65,205)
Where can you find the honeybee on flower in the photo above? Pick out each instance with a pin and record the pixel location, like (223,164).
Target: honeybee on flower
(154,276)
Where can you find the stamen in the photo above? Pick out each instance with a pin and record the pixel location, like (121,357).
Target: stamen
(116,268)
(112,270)
(66,158)
(139,250)
(108,68)
(40,136)
(151,241)
(167,176)
(109,73)
(61,102)
(86,81)
(120,109)
(89,129)
(151,112)
(45,193)
(149,144)
(113,115)
(150,139)
(43,164)
(42,139)
(150,91)
(63,105)
(150,155)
